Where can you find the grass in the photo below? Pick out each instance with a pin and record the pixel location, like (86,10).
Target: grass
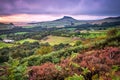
(93,34)
(28,26)
(2,45)
(26,40)
(4,28)
(98,31)
(71,29)
(53,40)
(21,32)
(3,36)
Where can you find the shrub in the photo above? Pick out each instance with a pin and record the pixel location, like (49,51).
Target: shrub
(54,57)
(46,71)
(95,65)
(112,32)
(44,50)
(77,43)
(75,77)
(16,70)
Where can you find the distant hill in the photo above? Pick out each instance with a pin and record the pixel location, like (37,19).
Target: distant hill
(66,20)
(62,22)
(109,19)
(4,26)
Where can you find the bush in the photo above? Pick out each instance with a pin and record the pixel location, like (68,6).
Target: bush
(46,71)
(77,43)
(112,32)
(75,77)
(88,66)
(54,57)
(112,39)
(15,70)
(44,50)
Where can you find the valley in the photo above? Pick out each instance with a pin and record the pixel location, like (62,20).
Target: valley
(59,39)
(63,49)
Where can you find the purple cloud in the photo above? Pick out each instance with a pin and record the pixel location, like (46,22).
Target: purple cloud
(67,7)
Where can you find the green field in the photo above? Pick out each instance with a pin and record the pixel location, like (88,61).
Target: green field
(21,32)
(2,45)
(28,26)
(26,40)
(53,40)
(71,29)
(92,34)
(3,36)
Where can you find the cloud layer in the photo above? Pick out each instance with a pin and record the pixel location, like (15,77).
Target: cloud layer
(61,7)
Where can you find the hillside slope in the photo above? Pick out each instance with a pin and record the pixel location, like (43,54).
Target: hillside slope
(4,26)
(66,20)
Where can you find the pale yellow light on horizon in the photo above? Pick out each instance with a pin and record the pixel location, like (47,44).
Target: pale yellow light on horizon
(26,18)
(38,18)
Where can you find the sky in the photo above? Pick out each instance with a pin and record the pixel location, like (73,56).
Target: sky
(46,10)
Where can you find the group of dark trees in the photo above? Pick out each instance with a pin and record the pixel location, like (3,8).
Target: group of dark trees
(23,50)
(87,26)
(38,35)
(20,29)
(33,35)
(27,49)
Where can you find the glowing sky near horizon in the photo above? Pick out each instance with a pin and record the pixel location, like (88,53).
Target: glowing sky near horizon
(47,10)
(37,18)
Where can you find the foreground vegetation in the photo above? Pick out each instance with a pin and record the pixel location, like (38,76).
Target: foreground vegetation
(94,56)
(2,45)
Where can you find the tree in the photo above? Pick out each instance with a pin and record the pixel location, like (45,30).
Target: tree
(1,39)
(77,43)
(112,32)
(44,50)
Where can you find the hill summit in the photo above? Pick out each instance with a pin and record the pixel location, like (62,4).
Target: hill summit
(67,18)
(61,22)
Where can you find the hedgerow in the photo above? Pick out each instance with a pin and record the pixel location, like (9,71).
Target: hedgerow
(98,63)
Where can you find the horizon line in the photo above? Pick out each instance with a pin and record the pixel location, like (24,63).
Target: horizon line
(27,18)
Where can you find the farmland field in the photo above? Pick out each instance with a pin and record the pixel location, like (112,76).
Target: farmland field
(2,45)
(3,36)
(26,40)
(53,40)
(21,32)
(92,34)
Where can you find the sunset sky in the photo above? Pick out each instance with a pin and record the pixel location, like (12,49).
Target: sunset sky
(46,10)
